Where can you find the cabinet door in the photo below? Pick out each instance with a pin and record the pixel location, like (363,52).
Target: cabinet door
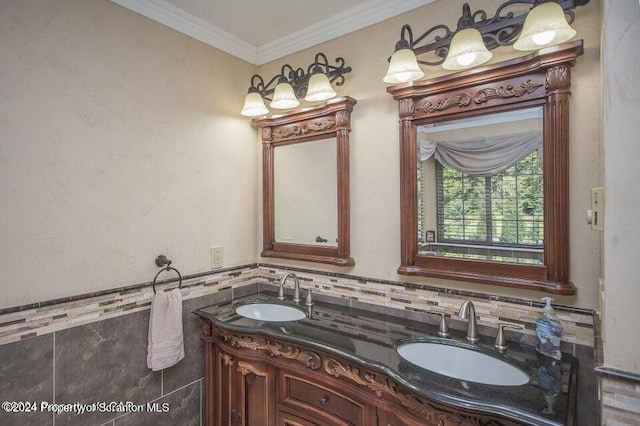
(387,418)
(245,392)
(288,419)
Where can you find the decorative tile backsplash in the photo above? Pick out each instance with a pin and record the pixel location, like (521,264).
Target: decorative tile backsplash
(404,298)
(420,299)
(22,324)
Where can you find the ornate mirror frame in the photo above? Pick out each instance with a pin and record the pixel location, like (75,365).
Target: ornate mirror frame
(328,120)
(539,79)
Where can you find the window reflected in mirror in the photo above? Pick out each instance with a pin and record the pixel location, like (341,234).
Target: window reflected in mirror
(491,225)
(480,188)
(305,191)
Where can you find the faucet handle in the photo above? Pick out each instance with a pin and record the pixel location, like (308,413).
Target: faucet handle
(443,330)
(501,340)
(309,299)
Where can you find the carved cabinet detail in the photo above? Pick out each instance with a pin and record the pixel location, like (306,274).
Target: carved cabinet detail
(243,391)
(254,380)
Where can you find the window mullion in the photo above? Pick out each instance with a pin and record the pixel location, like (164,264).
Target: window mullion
(488,215)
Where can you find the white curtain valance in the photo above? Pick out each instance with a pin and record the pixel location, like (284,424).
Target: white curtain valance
(483,156)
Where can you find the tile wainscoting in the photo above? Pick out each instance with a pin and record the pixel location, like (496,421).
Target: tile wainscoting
(47,317)
(92,348)
(620,404)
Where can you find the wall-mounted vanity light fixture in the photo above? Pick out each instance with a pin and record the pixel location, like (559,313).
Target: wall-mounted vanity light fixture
(284,89)
(539,24)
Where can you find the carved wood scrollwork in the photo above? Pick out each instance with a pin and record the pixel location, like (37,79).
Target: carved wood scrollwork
(227,359)
(480,97)
(343,119)
(406,108)
(461,100)
(309,359)
(266,133)
(506,92)
(303,129)
(414,404)
(245,368)
(558,78)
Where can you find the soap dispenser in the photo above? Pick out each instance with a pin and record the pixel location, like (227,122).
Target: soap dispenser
(549,330)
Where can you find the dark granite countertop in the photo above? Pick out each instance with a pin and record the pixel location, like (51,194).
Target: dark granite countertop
(370,338)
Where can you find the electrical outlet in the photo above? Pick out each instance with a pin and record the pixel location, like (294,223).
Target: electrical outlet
(217,257)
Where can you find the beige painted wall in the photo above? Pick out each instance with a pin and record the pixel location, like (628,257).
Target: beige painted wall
(120,139)
(621,79)
(375,194)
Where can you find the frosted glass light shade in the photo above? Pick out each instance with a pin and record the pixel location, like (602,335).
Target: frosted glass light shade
(466,50)
(254,105)
(403,67)
(545,26)
(283,97)
(319,88)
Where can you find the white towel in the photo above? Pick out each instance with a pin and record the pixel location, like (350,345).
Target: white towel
(166,344)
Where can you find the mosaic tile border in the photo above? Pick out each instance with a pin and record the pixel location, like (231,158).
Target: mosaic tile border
(134,287)
(519,301)
(415,298)
(48,317)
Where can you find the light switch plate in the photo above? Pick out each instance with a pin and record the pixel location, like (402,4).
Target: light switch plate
(595,215)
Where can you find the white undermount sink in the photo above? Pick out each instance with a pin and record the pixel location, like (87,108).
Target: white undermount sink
(462,363)
(270,312)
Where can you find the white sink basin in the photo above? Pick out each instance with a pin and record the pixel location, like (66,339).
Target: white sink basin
(270,312)
(461,363)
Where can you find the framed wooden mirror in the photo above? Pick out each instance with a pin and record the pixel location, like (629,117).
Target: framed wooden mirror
(536,86)
(305,183)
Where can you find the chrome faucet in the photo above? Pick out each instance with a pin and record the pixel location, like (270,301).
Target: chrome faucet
(296,288)
(467,310)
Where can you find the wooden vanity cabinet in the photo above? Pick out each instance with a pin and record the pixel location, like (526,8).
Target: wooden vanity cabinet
(254,380)
(322,403)
(244,391)
(288,419)
(386,418)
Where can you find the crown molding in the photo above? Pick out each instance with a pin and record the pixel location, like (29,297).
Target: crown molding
(358,17)
(199,29)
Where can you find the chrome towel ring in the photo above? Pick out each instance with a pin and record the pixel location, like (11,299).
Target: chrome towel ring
(165,264)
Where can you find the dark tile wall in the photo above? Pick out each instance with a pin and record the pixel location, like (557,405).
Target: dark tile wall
(191,367)
(587,398)
(183,408)
(26,375)
(106,361)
